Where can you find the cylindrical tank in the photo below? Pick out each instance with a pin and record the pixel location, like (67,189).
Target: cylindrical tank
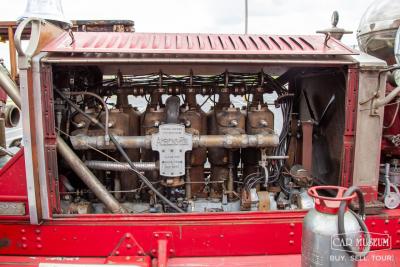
(321,245)
(377,30)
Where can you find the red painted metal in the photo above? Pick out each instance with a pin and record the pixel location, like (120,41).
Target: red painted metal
(190,235)
(215,44)
(13,184)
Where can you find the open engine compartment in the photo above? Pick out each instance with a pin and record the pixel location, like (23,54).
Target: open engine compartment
(207,141)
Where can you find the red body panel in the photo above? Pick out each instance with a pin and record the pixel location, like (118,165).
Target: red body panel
(214,44)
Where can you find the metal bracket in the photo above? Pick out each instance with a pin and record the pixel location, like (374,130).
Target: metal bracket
(127,246)
(163,247)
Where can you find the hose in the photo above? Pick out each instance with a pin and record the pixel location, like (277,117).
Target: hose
(122,151)
(359,217)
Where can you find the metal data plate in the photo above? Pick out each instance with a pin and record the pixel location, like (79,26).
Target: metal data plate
(12,208)
(172,142)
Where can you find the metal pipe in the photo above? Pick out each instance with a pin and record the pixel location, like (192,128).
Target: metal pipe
(83,142)
(384,101)
(106,137)
(66,152)
(88,177)
(120,166)
(9,86)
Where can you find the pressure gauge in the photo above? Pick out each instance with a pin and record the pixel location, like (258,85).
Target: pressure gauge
(392,200)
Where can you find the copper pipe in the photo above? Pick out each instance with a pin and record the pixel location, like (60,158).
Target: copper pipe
(83,142)
(13,53)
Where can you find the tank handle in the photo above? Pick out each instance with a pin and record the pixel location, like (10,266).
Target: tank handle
(326,204)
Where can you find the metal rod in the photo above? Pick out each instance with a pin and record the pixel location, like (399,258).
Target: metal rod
(13,53)
(299,62)
(246,15)
(88,177)
(120,166)
(9,86)
(83,142)
(75,162)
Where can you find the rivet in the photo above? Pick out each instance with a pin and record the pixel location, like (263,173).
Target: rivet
(23,231)
(128,246)
(222,236)
(291,233)
(75,238)
(127,258)
(140,253)
(168,235)
(156,235)
(38,238)
(373,223)
(292,225)
(23,238)
(386,221)
(128,235)
(291,242)
(39,246)
(37,231)
(171,251)
(386,231)
(398,232)
(117,252)
(24,245)
(153,251)
(397,241)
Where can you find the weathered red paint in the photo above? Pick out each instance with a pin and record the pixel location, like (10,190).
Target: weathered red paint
(215,44)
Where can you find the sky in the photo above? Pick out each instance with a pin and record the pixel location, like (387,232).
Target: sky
(212,16)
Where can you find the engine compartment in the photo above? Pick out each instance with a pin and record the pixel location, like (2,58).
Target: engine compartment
(215,142)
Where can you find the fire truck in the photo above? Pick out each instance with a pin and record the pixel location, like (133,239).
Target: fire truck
(162,149)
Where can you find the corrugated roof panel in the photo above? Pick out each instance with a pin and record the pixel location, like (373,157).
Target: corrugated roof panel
(218,44)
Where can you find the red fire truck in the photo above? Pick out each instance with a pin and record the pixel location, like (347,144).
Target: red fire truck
(161,149)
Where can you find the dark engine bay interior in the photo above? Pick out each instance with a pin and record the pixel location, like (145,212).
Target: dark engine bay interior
(222,142)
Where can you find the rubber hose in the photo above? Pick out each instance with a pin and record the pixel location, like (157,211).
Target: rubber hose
(359,217)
